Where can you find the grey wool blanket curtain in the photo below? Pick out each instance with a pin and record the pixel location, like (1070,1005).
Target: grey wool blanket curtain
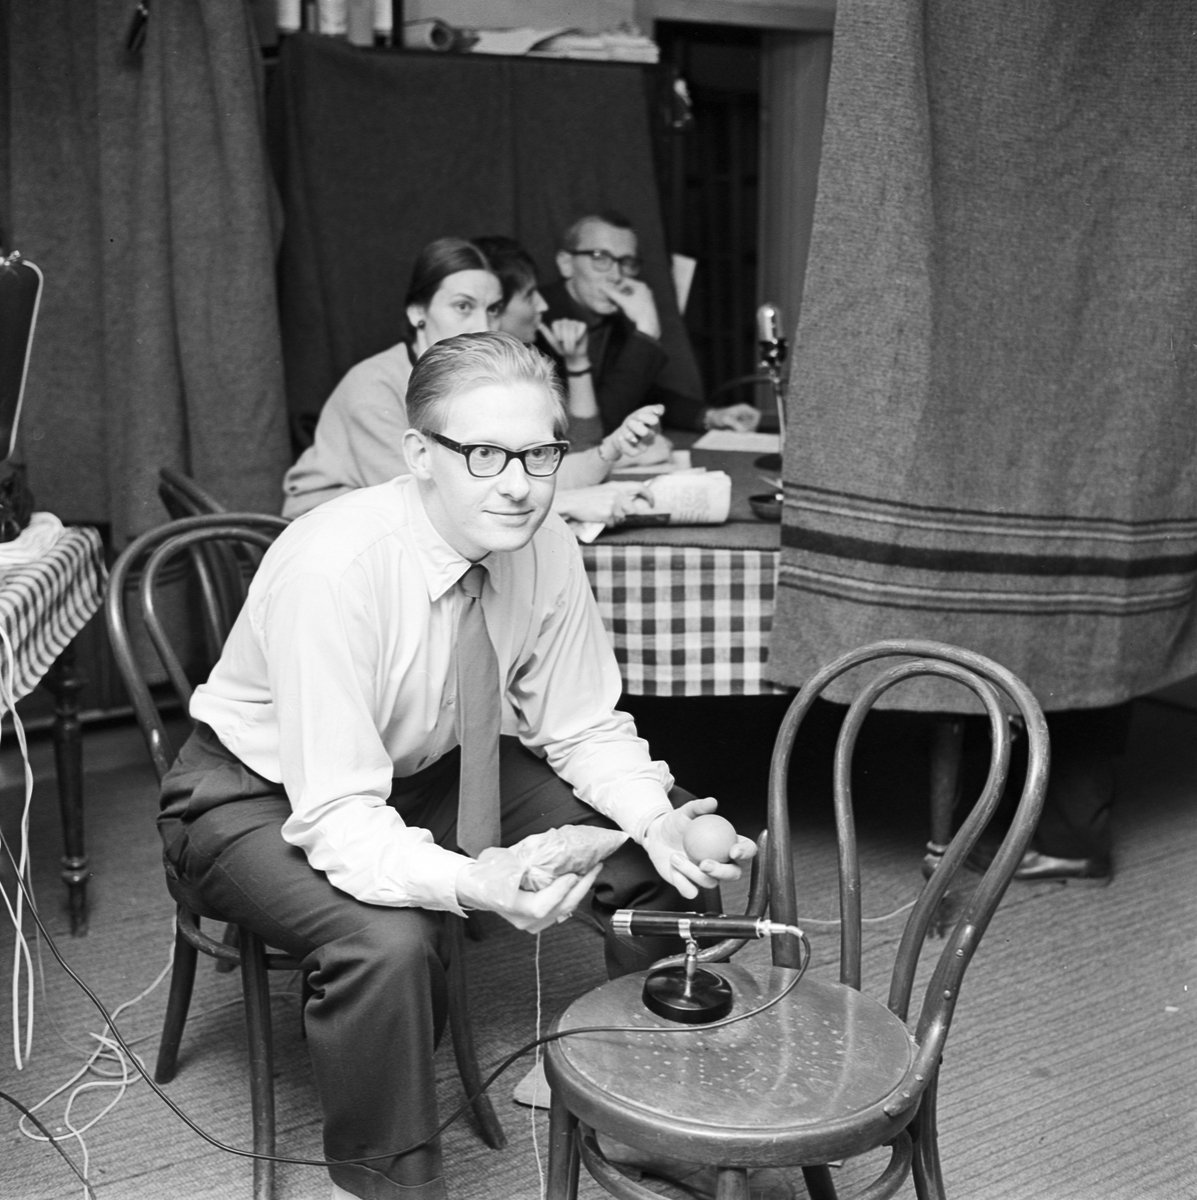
(139,183)
(992,407)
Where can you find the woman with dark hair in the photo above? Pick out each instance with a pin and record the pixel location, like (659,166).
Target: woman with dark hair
(360,431)
(456,289)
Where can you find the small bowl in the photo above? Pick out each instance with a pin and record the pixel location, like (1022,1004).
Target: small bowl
(766,505)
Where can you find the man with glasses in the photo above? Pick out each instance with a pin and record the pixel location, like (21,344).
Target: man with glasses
(348,748)
(600,284)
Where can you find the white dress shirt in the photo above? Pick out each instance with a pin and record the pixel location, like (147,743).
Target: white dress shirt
(339,675)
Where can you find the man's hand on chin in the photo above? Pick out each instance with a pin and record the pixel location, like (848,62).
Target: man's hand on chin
(635,300)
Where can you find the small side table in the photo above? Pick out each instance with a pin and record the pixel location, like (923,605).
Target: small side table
(43,606)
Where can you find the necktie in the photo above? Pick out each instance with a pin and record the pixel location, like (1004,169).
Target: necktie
(477,722)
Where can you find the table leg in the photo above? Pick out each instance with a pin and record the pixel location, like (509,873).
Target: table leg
(64,681)
(947,744)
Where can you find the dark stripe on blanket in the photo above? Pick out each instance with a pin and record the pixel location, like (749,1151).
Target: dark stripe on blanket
(983,562)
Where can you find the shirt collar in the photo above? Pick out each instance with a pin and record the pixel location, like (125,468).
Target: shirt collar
(441,564)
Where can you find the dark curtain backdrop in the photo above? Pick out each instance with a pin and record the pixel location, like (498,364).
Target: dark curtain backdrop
(141,189)
(377,153)
(993,404)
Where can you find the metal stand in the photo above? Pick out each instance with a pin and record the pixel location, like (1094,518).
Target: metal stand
(772,358)
(688,994)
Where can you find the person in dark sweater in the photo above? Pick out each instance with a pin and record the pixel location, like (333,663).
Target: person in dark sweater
(600,286)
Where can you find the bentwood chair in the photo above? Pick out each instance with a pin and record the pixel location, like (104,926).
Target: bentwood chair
(829,1072)
(183,497)
(217,547)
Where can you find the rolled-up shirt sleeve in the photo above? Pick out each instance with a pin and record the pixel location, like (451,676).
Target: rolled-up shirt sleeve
(565,692)
(320,638)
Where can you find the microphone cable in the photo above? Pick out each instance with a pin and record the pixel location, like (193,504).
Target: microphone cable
(504,1064)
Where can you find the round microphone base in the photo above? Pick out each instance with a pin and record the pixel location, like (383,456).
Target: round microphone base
(707,998)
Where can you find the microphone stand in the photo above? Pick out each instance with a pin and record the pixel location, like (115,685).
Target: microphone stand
(772,358)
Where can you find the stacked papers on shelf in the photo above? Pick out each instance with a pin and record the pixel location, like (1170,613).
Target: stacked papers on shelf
(607,47)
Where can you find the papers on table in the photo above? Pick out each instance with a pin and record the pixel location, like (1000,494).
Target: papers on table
(730,439)
(696,497)
(692,497)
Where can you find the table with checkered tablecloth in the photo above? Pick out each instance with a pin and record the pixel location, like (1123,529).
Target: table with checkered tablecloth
(46,598)
(689,608)
(686,620)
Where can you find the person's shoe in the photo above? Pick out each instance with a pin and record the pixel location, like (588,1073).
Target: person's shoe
(1046,868)
(1037,867)
(533,1090)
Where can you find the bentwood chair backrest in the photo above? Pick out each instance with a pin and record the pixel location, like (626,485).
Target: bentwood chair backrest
(222,567)
(998,690)
(222,585)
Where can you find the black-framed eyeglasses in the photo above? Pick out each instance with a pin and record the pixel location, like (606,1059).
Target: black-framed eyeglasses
(603,260)
(484,461)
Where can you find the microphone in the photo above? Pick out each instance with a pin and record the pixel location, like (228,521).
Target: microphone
(632,922)
(768,323)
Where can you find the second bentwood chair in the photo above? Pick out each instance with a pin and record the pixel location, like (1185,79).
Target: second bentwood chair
(828,1072)
(217,547)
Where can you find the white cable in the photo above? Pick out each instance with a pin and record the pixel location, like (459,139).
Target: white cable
(536,1076)
(108,1050)
(834,922)
(17,912)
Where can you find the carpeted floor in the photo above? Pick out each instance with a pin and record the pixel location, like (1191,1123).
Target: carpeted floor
(1070,1069)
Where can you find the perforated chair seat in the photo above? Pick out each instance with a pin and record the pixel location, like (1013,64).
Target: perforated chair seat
(767,1091)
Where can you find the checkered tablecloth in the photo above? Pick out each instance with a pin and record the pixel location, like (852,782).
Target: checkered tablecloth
(44,603)
(686,620)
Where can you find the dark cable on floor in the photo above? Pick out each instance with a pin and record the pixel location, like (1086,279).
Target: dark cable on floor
(457,1113)
(70,1162)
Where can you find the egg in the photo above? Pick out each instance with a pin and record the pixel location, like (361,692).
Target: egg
(710,836)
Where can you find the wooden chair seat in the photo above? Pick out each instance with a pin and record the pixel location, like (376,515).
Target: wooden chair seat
(769,1091)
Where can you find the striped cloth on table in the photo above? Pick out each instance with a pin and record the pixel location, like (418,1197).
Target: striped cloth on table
(685,620)
(44,604)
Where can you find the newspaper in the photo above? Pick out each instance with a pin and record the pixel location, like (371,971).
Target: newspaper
(693,497)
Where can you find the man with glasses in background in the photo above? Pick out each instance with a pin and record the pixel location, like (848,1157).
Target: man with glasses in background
(600,285)
(347,786)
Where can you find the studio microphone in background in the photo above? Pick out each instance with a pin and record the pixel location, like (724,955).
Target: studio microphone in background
(768,324)
(633,922)
(772,349)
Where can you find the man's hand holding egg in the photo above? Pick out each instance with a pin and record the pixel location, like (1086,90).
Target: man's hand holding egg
(693,848)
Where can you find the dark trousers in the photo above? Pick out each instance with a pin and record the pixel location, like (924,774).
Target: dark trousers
(1085,744)
(377,974)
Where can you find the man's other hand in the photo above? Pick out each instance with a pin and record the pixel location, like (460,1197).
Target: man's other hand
(743,418)
(663,842)
(635,299)
(491,883)
(569,340)
(636,434)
